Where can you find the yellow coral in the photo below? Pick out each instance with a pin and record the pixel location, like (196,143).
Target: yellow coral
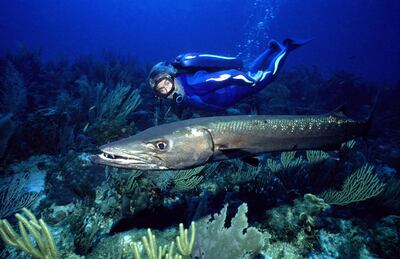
(185,246)
(45,246)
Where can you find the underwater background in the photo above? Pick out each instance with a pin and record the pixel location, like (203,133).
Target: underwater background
(73,76)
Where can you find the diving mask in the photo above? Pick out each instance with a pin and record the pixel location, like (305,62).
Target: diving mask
(163,86)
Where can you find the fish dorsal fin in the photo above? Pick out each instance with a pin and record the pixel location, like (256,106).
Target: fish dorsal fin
(338,111)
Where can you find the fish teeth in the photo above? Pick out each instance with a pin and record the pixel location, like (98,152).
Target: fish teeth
(107,156)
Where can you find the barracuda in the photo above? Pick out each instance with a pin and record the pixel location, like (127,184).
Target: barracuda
(194,142)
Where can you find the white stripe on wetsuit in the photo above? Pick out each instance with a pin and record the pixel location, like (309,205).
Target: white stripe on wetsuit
(278,59)
(220,78)
(226,76)
(208,56)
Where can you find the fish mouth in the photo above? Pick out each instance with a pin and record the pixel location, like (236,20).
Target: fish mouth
(137,161)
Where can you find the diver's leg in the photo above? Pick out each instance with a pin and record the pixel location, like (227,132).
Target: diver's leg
(259,61)
(264,58)
(268,73)
(276,61)
(268,63)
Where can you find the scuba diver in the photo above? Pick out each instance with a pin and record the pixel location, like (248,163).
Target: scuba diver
(212,82)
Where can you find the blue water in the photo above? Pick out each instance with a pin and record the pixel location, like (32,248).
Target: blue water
(74,75)
(360,36)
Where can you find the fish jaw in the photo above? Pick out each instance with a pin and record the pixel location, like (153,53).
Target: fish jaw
(128,154)
(105,159)
(184,147)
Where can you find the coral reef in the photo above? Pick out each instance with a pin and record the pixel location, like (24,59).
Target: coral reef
(315,204)
(295,227)
(237,241)
(361,185)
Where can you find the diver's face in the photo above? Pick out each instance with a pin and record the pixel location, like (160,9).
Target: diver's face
(164,86)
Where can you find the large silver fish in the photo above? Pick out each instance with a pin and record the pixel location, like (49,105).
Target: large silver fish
(194,142)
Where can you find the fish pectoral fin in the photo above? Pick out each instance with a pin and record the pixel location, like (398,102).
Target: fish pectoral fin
(245,156)
(251,160)
(234,152)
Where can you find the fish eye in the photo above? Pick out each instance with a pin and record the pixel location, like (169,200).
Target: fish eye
(161,145)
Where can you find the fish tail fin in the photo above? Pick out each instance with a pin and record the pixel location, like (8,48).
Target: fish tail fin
(292,44)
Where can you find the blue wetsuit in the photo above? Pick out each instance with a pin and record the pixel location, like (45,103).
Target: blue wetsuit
(214,82)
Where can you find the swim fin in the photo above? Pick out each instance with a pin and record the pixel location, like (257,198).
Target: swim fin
(292,44)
